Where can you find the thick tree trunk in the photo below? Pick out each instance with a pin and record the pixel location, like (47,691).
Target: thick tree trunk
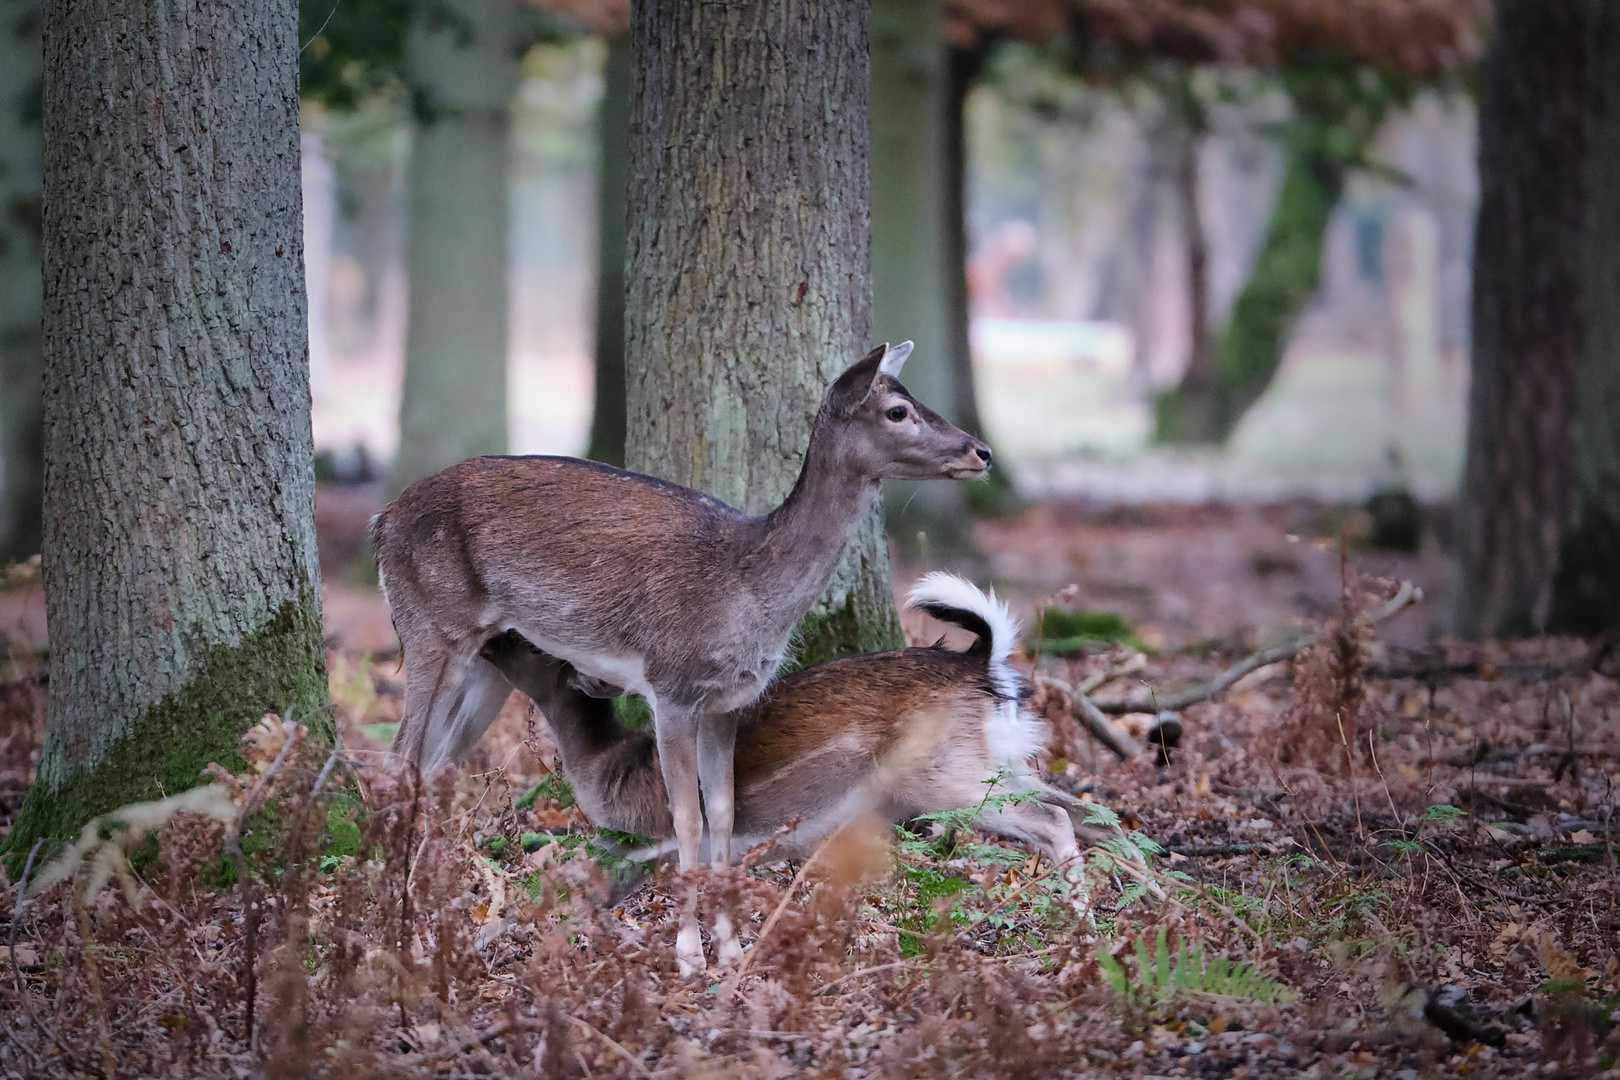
(911,249)
(21,436)
(1587,594)
(607,415)
(464,72)
(181,582)
(748,261)
(1519,469)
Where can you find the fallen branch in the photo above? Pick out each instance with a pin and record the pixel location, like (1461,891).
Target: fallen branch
(1406,596)
(1092,719)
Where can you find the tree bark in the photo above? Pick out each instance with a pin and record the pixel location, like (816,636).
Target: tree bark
(607,414)
(21,434)
(464,70)
(1586,596)
(748,261)
(961,71)
(911,250)
(1519,469)
(1285,276)
(181,582)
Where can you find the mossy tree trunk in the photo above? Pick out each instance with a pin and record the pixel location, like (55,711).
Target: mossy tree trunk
(1519,469)
(748,264)
(607,413)
(463,64)
(911,247)
(21,434)
(181,583)
(1587,591)
(1205,409)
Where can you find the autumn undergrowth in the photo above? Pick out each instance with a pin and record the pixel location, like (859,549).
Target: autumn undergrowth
(1433,889)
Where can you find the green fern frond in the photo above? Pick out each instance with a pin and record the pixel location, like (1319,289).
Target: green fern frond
(1163,976)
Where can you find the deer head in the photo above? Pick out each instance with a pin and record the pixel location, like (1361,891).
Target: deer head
(886,434)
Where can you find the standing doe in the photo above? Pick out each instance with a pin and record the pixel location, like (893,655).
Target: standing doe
(899,734)
(641,584)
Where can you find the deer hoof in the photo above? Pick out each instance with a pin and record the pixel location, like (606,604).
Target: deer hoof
(689,950)
(727,949)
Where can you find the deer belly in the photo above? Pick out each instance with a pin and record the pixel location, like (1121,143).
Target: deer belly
(627,671)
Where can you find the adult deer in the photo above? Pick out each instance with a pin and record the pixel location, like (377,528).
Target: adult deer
(642,584)
(903,733)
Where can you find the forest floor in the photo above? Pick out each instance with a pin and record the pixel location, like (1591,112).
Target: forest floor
(1394,856)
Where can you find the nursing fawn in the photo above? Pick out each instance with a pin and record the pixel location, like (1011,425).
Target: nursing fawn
(641,584)
(899,734)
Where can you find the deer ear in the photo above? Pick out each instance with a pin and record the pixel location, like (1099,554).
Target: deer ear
(850,389)
(894,358)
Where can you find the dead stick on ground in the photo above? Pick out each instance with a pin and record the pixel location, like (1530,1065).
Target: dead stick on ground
(1406,596)
(1101,727)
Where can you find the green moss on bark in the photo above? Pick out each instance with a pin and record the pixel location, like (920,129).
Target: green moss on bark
(281,664)
(829,633)
(1284,279)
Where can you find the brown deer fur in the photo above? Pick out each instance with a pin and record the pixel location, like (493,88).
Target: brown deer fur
(639,583)
(898,733)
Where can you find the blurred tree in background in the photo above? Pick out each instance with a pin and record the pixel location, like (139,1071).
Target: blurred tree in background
(21,434)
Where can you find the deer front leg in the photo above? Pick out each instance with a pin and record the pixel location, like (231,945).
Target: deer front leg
(717,746)
(677,732)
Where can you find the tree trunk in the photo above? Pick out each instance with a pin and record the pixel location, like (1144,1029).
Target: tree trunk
(748,261)
(1284,279)
(911,250)
(21,436)
(1519,468)
(464,72)
(607,415)
(961,71)
(181,583)
(1587,593)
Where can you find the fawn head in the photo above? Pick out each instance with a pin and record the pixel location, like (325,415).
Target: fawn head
(891,435)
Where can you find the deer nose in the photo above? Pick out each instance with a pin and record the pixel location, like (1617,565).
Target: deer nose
(984,453)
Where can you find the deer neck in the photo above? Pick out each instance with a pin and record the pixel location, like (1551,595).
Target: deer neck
(804,538)
(584,727)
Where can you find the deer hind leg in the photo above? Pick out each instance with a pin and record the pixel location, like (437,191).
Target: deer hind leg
(484,691)
(427,663)
(677,732)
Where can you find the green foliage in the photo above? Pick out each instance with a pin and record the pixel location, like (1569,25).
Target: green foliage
(826,634)
(552,786)
(1061,632)
(1444,813)
(1161,977)
(633,712)
(352,50)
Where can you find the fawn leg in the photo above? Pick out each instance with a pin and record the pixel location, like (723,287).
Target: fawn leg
(677,732)
(1049,829)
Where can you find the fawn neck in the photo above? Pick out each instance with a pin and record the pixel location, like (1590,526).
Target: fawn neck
(805,537)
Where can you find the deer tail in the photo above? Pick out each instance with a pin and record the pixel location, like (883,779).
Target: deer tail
(957,600)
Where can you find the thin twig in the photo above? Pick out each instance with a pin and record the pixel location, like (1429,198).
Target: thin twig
(776,913)
(1407,595)
(16,971)
(614,1045)
(92,971)
(827,988)
(251,906)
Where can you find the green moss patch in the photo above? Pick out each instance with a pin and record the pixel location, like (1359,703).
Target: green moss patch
(280,665)
(1061,632)
(845,631)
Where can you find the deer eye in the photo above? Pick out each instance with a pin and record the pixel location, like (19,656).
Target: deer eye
(897,414)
